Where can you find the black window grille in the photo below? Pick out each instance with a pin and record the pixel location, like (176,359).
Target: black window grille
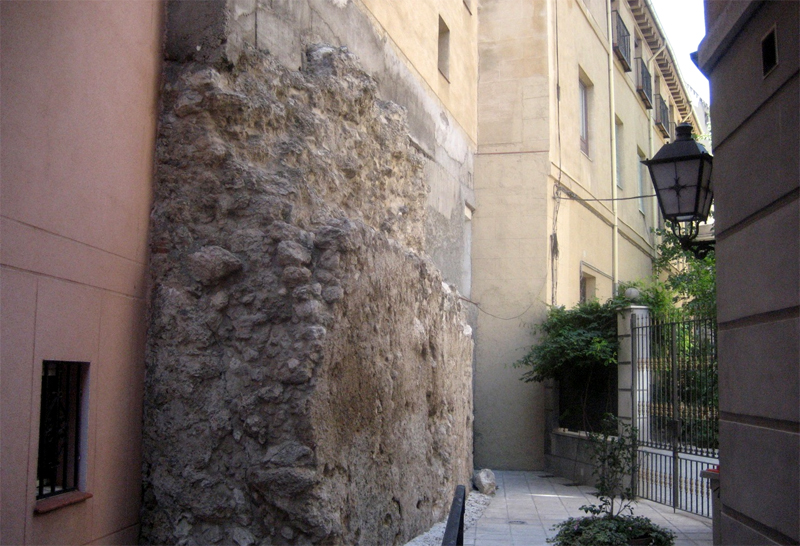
(644,83)
(621,41)
(60,424)
(662,116)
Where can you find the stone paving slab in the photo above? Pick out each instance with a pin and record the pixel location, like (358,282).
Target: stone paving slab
(528,504)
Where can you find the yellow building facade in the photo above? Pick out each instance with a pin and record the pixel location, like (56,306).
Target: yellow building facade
(572,95)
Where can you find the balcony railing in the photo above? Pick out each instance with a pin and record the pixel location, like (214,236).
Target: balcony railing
(622,41)
(662,116)
(644,83)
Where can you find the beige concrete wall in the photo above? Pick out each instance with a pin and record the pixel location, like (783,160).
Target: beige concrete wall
(636,136)
(586,248)
(756,184)
(78,126)
(634,259)
(588,226)
(591,176)
(583,55)
(510,227)
(509,283)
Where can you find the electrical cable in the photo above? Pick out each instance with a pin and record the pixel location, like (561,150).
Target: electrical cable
(572,197)
(495,316)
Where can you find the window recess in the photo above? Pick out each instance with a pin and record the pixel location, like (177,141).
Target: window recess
(444,49)
(583,95)
(769,52)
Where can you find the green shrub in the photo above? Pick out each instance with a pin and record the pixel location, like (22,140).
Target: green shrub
(572,340)
(578,348)
(613,456)
(603,531)
(614,460)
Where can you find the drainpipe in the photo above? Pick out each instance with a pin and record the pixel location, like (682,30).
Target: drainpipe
(654,204)
(613,133)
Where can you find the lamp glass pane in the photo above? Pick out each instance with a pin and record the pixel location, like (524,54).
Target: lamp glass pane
(662,175)
(677,185)
(708,193)
(688,173)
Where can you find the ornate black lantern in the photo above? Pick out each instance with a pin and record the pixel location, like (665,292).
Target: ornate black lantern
(681,175)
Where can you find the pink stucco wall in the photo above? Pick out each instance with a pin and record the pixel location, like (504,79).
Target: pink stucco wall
(79,104)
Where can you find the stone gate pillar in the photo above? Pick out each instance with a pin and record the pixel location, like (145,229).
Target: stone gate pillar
(630,376)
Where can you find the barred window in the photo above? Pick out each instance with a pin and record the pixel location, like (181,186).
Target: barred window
(61,423)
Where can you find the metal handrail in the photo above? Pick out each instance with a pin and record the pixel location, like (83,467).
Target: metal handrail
(454,530)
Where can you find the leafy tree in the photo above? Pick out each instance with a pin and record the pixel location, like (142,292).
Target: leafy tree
(577,347)
(574,339)
(693,280)
(653,294)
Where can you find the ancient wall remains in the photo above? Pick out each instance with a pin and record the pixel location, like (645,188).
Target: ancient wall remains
(217,30)
(309,373)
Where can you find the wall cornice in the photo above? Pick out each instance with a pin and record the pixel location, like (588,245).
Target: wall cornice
(653,34)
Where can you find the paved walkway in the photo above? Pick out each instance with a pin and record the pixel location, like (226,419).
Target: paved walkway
(528,504)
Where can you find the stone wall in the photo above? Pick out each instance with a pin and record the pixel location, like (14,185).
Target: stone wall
(216,31)
(756,180)
(309,373)
(569,455)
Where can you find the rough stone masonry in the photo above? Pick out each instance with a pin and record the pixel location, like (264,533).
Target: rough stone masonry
(308,372)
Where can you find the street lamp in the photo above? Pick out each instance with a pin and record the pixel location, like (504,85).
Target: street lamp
(681,174)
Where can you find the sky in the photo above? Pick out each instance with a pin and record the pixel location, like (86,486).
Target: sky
(684,23)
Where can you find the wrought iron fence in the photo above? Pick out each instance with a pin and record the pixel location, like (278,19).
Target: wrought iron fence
(677,409)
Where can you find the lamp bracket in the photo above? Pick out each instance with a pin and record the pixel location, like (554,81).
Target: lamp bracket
(687,232)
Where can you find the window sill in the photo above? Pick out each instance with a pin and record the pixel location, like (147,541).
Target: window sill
(60,501)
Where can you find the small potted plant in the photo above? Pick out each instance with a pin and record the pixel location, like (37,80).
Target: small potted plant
(611,522)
